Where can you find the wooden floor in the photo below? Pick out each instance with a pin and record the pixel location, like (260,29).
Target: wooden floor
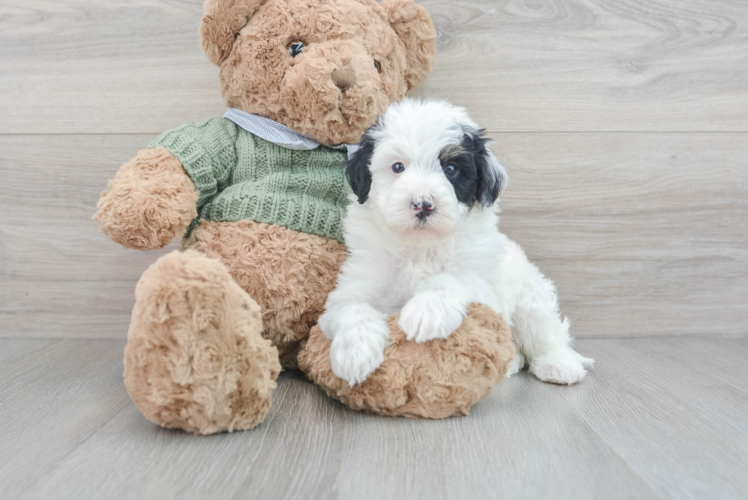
(658,418)
(623,125)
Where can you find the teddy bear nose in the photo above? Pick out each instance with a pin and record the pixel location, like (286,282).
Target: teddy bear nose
(343,78)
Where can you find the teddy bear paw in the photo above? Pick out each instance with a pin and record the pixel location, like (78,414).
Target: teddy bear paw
(150,201)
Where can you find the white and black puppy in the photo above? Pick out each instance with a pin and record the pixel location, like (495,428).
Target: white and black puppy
(423,239)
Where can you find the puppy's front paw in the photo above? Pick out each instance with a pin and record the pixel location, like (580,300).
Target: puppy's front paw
(356,353)
(562,366)
(429,316)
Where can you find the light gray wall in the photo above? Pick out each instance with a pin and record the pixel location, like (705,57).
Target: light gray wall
(623,126)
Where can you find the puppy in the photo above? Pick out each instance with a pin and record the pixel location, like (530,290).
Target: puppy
(423,239)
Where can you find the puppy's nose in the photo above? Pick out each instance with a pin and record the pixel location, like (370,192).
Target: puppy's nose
(422,208)
(343,78)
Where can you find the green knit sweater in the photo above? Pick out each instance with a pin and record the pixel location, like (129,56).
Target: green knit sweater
(241,176)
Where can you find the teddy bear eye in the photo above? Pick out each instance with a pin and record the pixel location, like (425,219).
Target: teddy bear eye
(378,66)
(295,47)
(398,167)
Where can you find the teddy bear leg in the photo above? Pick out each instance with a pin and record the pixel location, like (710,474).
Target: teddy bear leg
(288,273)
(195,357)
(435,379)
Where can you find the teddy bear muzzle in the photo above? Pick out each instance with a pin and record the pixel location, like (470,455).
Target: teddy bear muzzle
(337,82)
(343,78)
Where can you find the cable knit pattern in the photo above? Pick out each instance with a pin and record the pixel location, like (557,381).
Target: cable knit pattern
(241,176)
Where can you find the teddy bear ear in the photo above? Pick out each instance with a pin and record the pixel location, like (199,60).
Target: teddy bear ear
(223,19)
(413,26)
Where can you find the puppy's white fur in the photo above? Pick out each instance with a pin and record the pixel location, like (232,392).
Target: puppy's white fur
(432,268)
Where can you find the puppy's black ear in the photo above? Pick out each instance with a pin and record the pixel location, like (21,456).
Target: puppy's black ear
(492,178)
(358,173)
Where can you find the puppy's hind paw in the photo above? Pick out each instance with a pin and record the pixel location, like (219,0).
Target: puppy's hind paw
(560,367)
(586,362)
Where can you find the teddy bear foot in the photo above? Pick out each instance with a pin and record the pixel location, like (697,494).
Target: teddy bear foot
(195,358)
(436,379)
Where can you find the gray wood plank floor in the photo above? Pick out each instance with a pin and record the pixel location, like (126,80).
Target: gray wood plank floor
(658,418)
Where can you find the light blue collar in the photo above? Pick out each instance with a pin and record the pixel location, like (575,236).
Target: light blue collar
(277,133)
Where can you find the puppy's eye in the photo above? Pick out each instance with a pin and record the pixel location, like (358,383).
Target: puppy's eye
(295,47)
(398,167)
(378,66)
(450,169)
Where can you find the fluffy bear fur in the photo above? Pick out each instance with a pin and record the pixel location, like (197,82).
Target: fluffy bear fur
(340,34)
(195,358)
(288,273)
(437,379)
(150,201)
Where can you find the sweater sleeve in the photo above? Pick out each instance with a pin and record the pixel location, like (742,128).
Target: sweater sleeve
(207,151)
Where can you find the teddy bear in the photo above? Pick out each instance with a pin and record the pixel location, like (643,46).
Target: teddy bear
(258,197)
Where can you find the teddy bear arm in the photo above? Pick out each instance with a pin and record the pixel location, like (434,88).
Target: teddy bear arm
(150,201)
(154,197)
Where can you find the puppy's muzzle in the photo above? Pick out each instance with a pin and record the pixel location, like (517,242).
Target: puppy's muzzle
(422,209)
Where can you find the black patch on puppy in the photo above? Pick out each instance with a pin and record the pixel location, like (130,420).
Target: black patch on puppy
(357,171)
(476,179)
(465,178)
(490,174)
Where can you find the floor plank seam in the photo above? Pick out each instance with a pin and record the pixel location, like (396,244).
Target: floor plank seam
(67,455)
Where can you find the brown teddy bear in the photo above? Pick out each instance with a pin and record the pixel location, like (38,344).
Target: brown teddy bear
(259,196)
